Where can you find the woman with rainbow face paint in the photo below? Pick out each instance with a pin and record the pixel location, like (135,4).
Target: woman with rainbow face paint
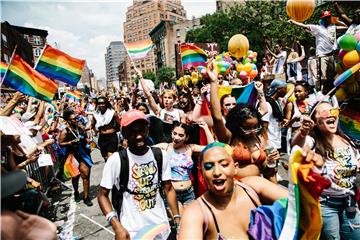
(341,162)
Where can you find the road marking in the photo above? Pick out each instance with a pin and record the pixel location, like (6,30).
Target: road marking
(67,233)
(97,224)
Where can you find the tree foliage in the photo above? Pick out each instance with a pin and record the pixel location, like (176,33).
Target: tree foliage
(256,19)
(165,74)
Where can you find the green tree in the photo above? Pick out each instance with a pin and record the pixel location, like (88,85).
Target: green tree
(165,74)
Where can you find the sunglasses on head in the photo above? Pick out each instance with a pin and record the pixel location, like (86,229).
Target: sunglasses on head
(334,112)
(251,131)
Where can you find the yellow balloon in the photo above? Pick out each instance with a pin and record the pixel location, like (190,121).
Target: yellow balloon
(179,83)
(248,67)
(300,10)
(238,45)
(351,58)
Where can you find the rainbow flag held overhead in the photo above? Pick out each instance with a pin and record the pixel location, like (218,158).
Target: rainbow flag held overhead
(58,65)
(22,77)
(299,216)
(192,56)
(139,49)
(73,96)
(3,68)
(243,94)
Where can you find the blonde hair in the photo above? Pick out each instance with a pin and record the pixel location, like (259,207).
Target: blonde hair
(171,92)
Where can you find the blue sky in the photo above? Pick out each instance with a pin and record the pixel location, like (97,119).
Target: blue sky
(83,28)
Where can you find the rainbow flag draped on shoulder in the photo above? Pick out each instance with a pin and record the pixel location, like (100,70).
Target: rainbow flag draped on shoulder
(192,56)
(58,65)
(299,216)
(22,77)
(139,49)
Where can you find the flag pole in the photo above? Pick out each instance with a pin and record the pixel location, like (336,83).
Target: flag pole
(42,52)
(7,69)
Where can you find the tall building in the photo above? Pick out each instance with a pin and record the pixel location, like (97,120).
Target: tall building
(115,54)
(29,42)
(141,18)
(166,35)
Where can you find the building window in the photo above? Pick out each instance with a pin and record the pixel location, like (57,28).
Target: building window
(6,58)
(146,37)
(37,40)
(4,40)
(178,33)
(26,37)
(145,24)
(37,52)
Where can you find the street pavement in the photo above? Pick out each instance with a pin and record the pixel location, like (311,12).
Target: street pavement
(78,221)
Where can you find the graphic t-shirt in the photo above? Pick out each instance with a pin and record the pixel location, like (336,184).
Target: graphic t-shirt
(325,39)
(147,207)
(170,117)
(341,171)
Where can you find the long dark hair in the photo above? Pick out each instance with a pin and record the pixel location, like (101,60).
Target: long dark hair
(239,114)
(187,129)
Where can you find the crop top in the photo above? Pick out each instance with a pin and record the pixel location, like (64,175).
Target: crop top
(181,165)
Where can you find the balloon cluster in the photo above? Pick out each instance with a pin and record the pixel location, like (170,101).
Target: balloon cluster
(247,68)
(222,63)
(194,78)
(349,56)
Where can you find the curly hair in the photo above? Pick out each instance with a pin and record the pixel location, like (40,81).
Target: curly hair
(239,114)
(67,114)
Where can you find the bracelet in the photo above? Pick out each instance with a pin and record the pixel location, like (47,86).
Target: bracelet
(177,216)
(13,101)
(110,216)
(260,94)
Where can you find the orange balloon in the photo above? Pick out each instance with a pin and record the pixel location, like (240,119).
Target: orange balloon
(238,45)
(240,67)
(248,67)
(300,10)
(351,58)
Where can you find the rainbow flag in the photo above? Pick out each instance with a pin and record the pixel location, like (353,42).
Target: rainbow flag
(73,95)
(243,94)
(299,216)
(3,68)
(349,121)
(56,64)
(22,77)
(139,49)
(192,56)
(151,231)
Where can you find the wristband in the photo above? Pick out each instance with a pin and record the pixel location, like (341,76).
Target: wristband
(110,216)
(13,101)
(177,216)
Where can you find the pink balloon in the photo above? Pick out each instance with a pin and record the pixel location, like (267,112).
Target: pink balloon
(357,36)
(243,75)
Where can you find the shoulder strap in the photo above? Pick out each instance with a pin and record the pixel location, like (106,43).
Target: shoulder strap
(206,217)
(213,215)
(159,161)
(250,192)
(124,170)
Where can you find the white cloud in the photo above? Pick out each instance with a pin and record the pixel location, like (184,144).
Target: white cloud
(83,28)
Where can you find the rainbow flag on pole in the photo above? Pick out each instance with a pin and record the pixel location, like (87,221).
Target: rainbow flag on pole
(58,65)
(139,49)
(3,68)
(192,56)
(299,216)
(74,96)
(22,77)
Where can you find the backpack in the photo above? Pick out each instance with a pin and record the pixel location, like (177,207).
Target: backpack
(117,194)
(276,109)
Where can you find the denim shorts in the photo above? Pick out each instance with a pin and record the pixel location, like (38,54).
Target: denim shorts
(338,223)
(185,196)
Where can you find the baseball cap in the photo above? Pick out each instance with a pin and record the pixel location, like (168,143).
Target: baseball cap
(325,14)
(132,116)
(275,84)
(12,182)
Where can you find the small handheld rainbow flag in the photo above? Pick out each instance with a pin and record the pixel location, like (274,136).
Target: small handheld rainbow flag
(60,66)
(71,95)
(22,77)
(139,49)
(3,68)
(350,122)
(192,56)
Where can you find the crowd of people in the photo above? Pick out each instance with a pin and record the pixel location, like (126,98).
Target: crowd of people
(166,158)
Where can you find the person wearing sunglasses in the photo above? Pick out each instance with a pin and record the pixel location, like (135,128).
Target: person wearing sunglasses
(243,131)
(341,163)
